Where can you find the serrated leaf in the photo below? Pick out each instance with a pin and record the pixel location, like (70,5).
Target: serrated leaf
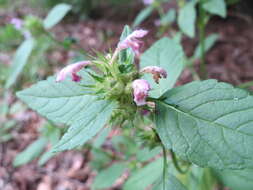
(62,102)
(217,7)
(143,15)
(236,179)
(142,178)
(208,123)
(31,152)
(56,15)
(97,113)
(172,183)
(168,54)
(106,178)
(187,19)
(19,61)
(209,43)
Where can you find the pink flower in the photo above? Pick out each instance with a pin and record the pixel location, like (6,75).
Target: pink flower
(72,69)
(132,41)
(147,2)
(157,72)
(141,88)
(17,23)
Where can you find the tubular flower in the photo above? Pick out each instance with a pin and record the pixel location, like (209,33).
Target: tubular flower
(147,2)
(157,72)
(140,88)
(132,41)
(72,69)
(17,23)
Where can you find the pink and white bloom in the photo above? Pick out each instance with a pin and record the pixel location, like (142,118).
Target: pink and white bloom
(157,72)
(141,88)
(17,23)
(132,41)
(72,69)
(147,2)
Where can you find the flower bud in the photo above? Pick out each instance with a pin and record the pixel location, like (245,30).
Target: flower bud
(132,41)
(72,69)
(140,88)
(157,72)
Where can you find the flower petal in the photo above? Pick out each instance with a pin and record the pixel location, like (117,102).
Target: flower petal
(72,69)
(141,88)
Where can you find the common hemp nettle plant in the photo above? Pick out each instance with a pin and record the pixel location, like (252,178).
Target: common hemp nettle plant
(204,123)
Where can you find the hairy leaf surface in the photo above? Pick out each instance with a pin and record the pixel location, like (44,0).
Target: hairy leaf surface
(97,113)
(63,102)
(208,123)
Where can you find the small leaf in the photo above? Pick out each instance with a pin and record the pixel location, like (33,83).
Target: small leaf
(209,43)
(126,55)
(30,153)
(146,176)
(208,123)
(187,19)
(96,116)
(106,178)
(168,54)
(217,7)
(56,15)
(62,102)
(143,15)
(19,61)
(146,154)
(236,179)
(169,17)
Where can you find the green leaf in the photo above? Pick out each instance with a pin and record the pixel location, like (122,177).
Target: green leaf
(217,7)
(19,61)
(56,15)
(169,17)
(146,154)
(172,183)
(146,176)
(208,123)
(187,19)
(168,54)
(126,55)
(143,15)
(106,178)
(209,43)
(97,113)
(30,153)
(101,137)
(62,102)
(200,178)
(236,179)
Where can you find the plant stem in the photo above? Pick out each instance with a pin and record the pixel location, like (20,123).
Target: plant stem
(246,85)
(174,160)
(202,28)
(165,166)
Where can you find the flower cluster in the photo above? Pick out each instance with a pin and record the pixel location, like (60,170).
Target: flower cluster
(140,87)
(19,25)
